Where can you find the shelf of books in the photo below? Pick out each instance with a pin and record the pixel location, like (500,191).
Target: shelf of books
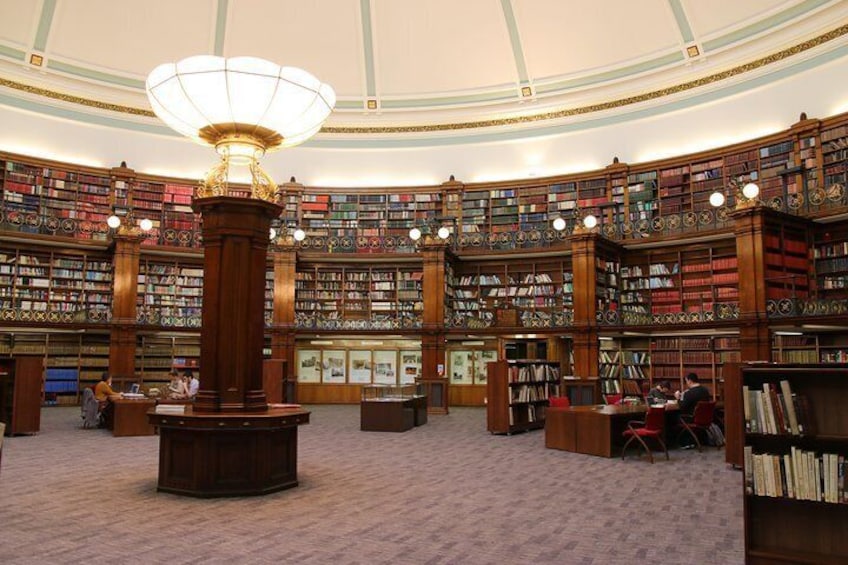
(48,286)
(776,186)
(698,283)
(358,297)
(607,289)
(527,294)
(796,347)
(795,442)
(609,366)
(672,358)
(518,392)
(154,358)
(533,208)
(269,295)
(94,358)
(170,294)
(787,268)
(834,142)
(55,200)
(624,366)
(830,263)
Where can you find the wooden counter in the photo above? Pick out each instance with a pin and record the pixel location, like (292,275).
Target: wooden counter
(130,417)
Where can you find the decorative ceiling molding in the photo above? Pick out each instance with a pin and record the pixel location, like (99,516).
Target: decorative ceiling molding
(478,124)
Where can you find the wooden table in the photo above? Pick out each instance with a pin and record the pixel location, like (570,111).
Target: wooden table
(130,417)
(593,430)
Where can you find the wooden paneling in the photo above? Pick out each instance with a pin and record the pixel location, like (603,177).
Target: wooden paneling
(467,395)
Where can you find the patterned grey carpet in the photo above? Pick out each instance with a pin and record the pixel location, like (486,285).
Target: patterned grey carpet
(447,492)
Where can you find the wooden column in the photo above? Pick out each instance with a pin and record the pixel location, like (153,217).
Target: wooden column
(283,325)
(122,335)
(749,228)
(433,251)
(235,241)
(586,349)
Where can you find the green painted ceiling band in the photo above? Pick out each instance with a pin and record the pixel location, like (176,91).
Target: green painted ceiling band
(645,66)
(221,27)
(682,22)
(763,25)
(368,48)
(92,74)
(44,23)
(515,40)
(12,53)
(524,133)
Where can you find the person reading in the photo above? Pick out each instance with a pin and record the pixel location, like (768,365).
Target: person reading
(178,389)
(659,394)
(104,393)
(193,383)
(695,392)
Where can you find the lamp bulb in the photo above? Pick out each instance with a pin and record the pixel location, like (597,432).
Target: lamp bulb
(443,232)
(590,221)
(113,222)
(146,224)
(299,234)
(716,199)
(750,191)
(415,234)
(273,233)
(559,224)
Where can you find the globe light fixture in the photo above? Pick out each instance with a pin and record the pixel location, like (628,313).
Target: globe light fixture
(145,225)
(716,199)
(272,233)
(415,234)
(750,191)
(244,107)
(443,232)
(113,222)
(559,224)
(590,221)
(299,234)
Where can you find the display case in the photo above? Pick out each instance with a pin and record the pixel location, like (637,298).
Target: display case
(392,408)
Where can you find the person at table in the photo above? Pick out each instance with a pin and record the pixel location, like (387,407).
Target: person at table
(104,394)
(193,383)
(178,389)
(659,394)
(695,392)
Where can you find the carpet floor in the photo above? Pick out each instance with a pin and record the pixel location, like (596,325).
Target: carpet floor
(446,492)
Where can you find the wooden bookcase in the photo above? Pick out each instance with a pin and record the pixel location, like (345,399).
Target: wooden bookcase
(20,394)
(170,293)
(830,263)
(782,529)
(518,393)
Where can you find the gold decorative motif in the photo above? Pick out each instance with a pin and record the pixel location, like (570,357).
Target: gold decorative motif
(215,183)
(558,114)
(263,187)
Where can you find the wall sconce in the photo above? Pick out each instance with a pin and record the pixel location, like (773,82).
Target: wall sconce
(127,227)
(584,223)
(746,195)
(443,231)
(299,234)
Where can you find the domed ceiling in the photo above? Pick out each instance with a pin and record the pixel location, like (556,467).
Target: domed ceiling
(415,69)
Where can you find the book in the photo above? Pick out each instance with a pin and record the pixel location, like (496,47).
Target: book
(788,398)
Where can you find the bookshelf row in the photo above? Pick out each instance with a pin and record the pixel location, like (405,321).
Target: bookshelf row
(797,173)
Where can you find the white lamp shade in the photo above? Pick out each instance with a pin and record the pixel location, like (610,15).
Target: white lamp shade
(415,234)
(113,222)
(590,221)
(750,191)
(443,232)
(716,199)
(559,224)
(146,224)
(299,234)
(205,90)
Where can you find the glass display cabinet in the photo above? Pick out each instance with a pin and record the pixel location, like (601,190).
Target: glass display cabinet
(392,408)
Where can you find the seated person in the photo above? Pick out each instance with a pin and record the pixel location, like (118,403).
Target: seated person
(178,389)
(193,383)
(103,393)
(695,392)
(659,394)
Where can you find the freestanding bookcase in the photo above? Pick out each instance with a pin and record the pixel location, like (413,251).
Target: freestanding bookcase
(20,394)
(518,393)
(781,528)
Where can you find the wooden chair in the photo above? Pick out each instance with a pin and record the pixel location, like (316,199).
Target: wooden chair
(559,402)
(612,399)
(653,426)
(700,420)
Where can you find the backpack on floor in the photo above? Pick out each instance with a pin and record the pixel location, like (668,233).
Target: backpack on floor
(715,436)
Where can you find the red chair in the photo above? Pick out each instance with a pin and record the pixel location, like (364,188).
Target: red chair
(559,402)
(652,427)
(612,398)
(700,420)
